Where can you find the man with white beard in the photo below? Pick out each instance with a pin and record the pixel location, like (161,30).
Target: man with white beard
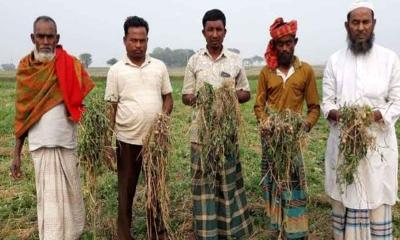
(362,74)
(51,86)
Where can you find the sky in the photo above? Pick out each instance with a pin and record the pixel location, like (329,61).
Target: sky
(96,27)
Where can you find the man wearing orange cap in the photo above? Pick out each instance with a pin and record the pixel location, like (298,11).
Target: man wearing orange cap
(364,74)
(285,83)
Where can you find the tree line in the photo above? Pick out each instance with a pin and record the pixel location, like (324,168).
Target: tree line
(171,57)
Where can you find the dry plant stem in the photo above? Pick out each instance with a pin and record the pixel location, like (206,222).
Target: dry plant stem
(283,136)
(93,130)
(156,147)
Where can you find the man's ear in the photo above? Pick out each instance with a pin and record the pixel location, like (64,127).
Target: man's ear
(57,38)
(33,38)
(296,40)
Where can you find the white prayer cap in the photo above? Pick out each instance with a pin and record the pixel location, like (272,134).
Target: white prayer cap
(361,3)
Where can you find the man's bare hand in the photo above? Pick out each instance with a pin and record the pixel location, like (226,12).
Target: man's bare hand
(15,169)
(377,116)
(110,158)
(334,115)
(306,127)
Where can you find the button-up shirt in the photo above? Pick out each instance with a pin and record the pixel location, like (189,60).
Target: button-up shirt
(278,94)
(203,68)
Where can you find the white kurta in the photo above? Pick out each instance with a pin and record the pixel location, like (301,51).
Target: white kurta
(372,79)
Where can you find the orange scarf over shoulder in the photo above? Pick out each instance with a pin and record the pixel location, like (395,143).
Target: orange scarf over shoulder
(41,86)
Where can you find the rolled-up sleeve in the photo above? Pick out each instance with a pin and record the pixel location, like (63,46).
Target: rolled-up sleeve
(166,82)
(111,91)
(242,83)
(189,80)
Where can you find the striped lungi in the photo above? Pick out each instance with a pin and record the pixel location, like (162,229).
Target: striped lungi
(286,209)
(219,204)
(60,208)
(362,224)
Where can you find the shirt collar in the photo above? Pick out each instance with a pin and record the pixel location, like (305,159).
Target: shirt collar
(127,61)
(296,63)
(223,54)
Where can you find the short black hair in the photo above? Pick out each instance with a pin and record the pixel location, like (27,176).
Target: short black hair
(135,21)
(45,19)
(214,15)
(372,14)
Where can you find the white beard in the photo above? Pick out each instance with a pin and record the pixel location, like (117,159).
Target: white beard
(43,57)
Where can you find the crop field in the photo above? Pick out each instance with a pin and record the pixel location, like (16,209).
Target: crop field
(18,198)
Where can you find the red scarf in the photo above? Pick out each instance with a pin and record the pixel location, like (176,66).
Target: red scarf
(74,82)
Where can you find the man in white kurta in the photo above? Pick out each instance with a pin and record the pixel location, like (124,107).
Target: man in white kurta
(358,76)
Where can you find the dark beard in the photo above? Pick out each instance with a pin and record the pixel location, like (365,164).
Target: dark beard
(285,59)
(360,47)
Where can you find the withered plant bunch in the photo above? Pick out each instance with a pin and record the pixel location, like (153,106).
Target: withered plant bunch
(218,124)
(93,130)
(355,140)
(156,148)
(283,136)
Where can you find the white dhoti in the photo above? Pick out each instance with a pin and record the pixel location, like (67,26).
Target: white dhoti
(60,207)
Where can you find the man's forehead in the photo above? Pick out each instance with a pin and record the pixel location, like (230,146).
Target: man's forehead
(214,23)
(45,26)
(285,38)
(137,30)
(361,12)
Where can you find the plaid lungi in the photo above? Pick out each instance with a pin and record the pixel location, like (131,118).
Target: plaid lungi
(219,205)
(363,224)
(60,207)
(285,209)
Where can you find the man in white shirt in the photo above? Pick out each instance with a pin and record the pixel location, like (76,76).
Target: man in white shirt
(364,73)
(138,88)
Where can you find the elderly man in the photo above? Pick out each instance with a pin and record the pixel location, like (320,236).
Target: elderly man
(138,88)
(364,73)
(51,86)
(285,83)
(219,208)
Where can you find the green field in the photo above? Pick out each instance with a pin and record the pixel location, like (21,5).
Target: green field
(18,200)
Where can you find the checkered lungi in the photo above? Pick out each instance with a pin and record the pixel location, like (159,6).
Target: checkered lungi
(362,224)
(219,207)
(285,209)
